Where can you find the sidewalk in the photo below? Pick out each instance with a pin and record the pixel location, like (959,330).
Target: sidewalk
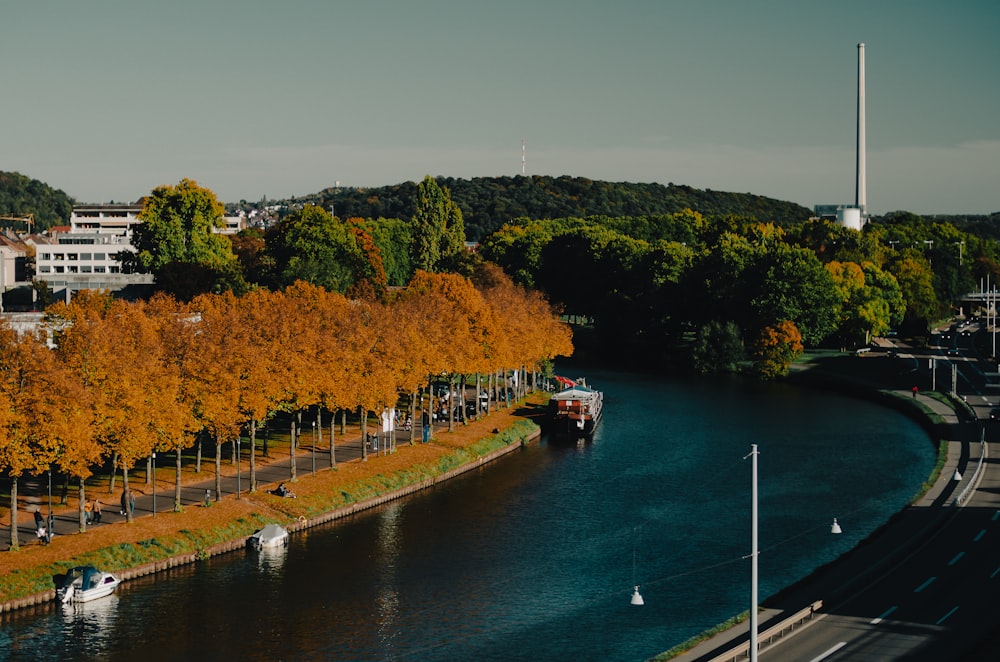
(269,472)
(901,533)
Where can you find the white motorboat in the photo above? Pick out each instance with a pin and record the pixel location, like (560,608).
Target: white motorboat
(271,536)
(85,583)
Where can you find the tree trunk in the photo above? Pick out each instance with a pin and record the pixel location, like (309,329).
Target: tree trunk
(177,480)
(364,434)
(333,454)
(125,493)
(343,422)
(319,426)
(451,403)
(82,512)
(114,473)
(15,544)
(253,461)
(197,457)
(291,453)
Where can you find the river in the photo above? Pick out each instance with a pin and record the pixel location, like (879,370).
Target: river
(535,556)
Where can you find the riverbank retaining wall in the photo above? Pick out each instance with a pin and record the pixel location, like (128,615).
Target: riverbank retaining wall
(45,597)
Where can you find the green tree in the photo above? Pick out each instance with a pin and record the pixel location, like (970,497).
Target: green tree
(177,242)
(717,348)
(313,246)
(438,229)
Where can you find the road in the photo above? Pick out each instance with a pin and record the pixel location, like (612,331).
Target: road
(937,601)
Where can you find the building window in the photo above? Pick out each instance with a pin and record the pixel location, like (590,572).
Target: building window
(98,256)
(85,268)
(98,270)
(43,256)
(45,269)
(85,256)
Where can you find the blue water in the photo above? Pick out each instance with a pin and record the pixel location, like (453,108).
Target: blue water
(534,557)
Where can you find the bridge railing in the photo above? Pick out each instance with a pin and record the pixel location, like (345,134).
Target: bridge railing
(777,631)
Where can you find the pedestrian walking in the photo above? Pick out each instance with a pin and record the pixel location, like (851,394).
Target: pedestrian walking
(124,502)
(39,525)
(88,512)
(96,510)
(914,391)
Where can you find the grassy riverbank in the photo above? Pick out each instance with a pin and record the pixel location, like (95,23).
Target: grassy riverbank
(116,547)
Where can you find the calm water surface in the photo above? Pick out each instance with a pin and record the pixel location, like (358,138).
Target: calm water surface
(535,556)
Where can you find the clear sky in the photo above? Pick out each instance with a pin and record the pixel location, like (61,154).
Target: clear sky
(106,99)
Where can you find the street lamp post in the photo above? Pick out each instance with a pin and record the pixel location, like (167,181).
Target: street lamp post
(238,477)
(154,483)
(314,446)
(753,556)
(48,527)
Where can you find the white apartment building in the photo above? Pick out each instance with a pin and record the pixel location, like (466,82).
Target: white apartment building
(86,256)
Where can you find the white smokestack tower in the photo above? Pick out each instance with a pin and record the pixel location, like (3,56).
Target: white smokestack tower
(861,194)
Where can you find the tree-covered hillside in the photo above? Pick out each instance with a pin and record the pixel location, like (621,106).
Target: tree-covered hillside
(21,195)
(489,202)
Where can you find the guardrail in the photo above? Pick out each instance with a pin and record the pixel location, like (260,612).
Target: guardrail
(966,493)
(766,637)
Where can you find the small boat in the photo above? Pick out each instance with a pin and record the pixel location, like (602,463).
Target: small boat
(576,410)
(270,537)
(85,583)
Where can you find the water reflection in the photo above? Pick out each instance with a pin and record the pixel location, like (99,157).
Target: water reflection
(387,564)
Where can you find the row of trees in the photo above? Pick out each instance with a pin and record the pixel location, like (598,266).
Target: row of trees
(127,379)
(178,242)
(654,283)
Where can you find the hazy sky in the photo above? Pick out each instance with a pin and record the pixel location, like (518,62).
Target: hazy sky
(106,99)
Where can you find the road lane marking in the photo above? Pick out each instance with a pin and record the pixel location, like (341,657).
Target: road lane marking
(957,557)
(924,585)
(885,614)
(995,572)
(979,536)
(945,617)
(829,652)
(996,515)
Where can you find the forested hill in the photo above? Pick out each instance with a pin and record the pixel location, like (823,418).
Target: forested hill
(489,202)
(21,195)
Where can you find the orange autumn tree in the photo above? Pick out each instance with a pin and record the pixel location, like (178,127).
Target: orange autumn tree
(115,351)
(325,328)
(43,421)
(221,363)
(775,349)
(465,329)
(178,421)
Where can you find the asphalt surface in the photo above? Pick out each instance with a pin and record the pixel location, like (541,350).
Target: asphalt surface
(922,587)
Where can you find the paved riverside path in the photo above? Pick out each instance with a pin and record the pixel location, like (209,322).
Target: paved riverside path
(857,571)
(269,472)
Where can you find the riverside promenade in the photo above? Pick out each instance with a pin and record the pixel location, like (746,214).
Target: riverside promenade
(855,570)
(33,493)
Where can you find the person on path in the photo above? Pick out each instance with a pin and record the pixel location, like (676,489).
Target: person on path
(426,420)
(914,391)
(96,510)
(39,524)
(124,501)
(88,512)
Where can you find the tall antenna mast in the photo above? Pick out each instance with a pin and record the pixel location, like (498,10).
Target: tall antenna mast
(522,157)
(861,194)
